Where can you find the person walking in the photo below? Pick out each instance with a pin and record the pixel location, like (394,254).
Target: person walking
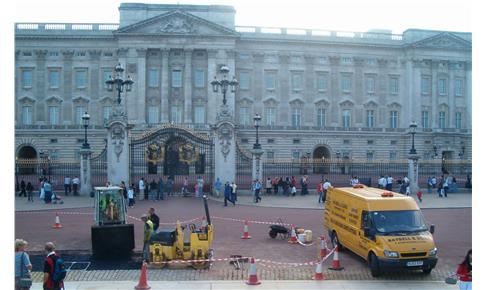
(217,187)
(49,265)
(258,187)
(30,189)
(75,185)
(464,272)
(319,190)
(153,190)
(131,195)
(268,185)
(148,229)
(227,192)
(47,191)
(22,188)
(154,218)
(67,185)
(22,263)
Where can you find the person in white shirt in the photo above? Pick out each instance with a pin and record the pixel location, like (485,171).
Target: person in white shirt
(130,195)
(326,186)
(141,188)
(389,183)
(75,185)
(67,185)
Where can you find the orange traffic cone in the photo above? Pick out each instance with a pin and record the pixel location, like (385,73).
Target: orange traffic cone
(143,278)
(319,272)
(323,248)
(57,223)
(293,239)
(246,231)
(253,279)
(335,264)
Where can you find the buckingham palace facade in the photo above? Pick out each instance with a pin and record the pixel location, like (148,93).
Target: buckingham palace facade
(320,93)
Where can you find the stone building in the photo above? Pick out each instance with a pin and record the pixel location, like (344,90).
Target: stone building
(320,93)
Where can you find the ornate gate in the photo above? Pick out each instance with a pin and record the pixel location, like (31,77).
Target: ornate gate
(174,152)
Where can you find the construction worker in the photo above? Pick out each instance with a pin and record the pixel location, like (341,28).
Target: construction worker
(148,229)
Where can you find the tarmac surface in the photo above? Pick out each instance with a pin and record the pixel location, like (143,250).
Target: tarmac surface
(451,215)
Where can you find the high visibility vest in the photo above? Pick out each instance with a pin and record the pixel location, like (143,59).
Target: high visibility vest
(148,231)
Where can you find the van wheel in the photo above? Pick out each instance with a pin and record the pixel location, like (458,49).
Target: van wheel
(336,242)
(427,271)
(374,265)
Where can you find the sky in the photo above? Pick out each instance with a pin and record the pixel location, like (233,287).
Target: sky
(343,15)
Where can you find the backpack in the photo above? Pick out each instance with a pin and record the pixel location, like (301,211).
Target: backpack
(59,272)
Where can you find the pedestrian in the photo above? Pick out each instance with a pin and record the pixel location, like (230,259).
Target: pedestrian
(153,187)
(124,190)
(389,182)
(468,183)
(141,188)
(160,189)
(440,189)
(285,186)
(258,187)
(464,272)
(433,183)
(75,185)
(169,185)
(148,229)
(42,193)
(293,190)
(227,192)
(420,195)
(304,185)
(22,188)
(154,218)
(326,186)
(49,266)
(47,191)
(22,264)
(130,195)
(217,187)
(196,189)
(184,188)
(201,183)
(268,185)
(29,189)
(319,190)
(446,186)
(67,185)
(234,191)
(275,184)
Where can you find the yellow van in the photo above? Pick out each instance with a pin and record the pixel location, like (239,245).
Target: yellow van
(386,229)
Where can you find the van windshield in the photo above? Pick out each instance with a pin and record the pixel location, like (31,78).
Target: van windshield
(398,222)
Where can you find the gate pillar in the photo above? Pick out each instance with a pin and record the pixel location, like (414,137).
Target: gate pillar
(118,148)
(257,165)
(224,146)
(85,172)
(413,173)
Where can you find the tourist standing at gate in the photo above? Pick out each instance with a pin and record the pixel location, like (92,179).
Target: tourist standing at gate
(160,189)
(234,191)
(268,185)
(131,195)
(217,187)
(153,190)
(201,183)
(258,187)
(169,185)
(319,190)
(184,189)
(326,187)
(275,183)
(141,188)
(67,185)
(75,185)
(22,188)
(390,181)
(47,191)
(30,189)
(227,192)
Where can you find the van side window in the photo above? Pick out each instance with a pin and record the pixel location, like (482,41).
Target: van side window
(366,220)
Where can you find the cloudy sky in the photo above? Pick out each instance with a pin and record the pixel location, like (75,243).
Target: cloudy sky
(345,15)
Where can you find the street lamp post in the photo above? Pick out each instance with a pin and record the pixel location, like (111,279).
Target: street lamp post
(257,119)
(224,83)
(412,130)
(119,82)
(86,122)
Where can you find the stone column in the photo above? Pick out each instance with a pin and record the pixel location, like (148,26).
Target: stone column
(413,173)
(165,86)
(213,99)
(118,156)
(140,83)
(257,164)
(468,95)
(85,172)
(187,85)
(225,150)
(335,90)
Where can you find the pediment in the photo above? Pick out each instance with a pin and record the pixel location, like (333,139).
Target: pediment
(445,40)
(322,102)
(371,104)
(394,105)
(297,101)
(26,99)
(81,100)
(54,99)
(346,103)
(106,100)
(270,101)
(176,23)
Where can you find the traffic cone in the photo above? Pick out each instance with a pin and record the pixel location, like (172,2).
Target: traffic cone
(335,264)
(319,272)
(253,279)
(57,223)
(246,231)
(293,239)
(323,248)
(143,278)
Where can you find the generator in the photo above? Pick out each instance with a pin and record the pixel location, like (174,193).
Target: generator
(111,235)
(170,244)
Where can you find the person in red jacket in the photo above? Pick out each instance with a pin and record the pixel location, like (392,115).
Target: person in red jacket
(464,272)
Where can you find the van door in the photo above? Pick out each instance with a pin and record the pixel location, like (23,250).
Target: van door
(365,241)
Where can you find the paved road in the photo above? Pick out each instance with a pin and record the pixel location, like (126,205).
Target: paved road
(453,238)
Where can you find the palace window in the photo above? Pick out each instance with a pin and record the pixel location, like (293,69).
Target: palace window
(176,79)
(54,79)
(297,82)
(370,119)
(53,115)
(176,114)
(425,119)
(153,78)
(27,78)
(442,87)
(244,83)
(346,83)
(27,115)
(296,117)
(107,112)
(270,81)
(244,116)
(346,118)
(321,117)
(270,116)
(394,118)
(458,87)
(425,85)
(80,79)
(153,115)
(442,119)
(78,114)
(321,83)
(394,85)
(458,120)
(199,114)
(199,78)
(370,85)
